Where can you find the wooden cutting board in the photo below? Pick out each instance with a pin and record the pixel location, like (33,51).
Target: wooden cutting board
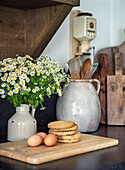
(19,150)
(116,94)
(104,71)
(110,51)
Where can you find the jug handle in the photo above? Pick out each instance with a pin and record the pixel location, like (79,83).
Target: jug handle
(98,84)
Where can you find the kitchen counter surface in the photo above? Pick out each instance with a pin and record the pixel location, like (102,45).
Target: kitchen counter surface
(106,159)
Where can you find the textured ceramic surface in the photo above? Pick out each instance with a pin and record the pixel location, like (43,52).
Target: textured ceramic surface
(80,103)
(21,125)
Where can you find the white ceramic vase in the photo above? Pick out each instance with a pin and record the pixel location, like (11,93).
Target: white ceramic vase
(21,125)
(80,103)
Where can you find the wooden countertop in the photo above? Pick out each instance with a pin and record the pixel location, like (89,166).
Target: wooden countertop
(113,157)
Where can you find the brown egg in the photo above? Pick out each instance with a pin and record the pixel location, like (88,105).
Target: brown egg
(50,140)
(35,140)
(43,135)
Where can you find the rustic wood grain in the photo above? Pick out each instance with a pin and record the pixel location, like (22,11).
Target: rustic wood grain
(74,44)
(12,29)
(103,72)
(41,25)
(19,150)
(86,65)
(115,94)
(25,5)
(29,28)
(110,51)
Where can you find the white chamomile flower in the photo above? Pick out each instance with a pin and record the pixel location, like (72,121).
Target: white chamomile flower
(55,78)
(14,74)
(57,64)
(16,70)
(12,68)
(32,73)
(39,63)
(47,74)
(8,67)
(23,76)
(57,69)
(58,83)
(3,96)
(42,71)
(33,90)
(44,77)
(21,62)
(38,73)
(28,89)
(1,91)
(27,80)
(5,60)
(8,88)
(13,78)
(9,59)
(40,96)
(58,90)
(16,86)
(8,79)
(4,63)
(12,82)
(22,82)
(48,89)
(25,69)
(60,94)
(19,58)
(10,93)
(37,88)
(24,87)
(46,62)
(49,92)
(3,78)
(67,79)
(3,84)
(48,65)
(16,91)
(27,56)
(51,70)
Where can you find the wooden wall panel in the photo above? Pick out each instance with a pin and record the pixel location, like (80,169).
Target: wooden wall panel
(41,25)
(12,29)
(26,28)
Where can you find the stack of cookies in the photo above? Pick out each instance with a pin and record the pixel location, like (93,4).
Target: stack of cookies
(65,131)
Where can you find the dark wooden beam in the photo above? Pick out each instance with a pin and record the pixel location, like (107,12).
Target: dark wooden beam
(41,25)
(28,30)
(32,4)
(12,32)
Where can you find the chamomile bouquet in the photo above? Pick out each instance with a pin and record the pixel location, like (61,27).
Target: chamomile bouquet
(24,80)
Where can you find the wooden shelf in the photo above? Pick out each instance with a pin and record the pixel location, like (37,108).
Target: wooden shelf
(25,5)
(26,28)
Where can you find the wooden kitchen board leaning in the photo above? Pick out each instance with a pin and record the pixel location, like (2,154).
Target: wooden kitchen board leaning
(116,94)
(110,52)
(102,77)
(19,150)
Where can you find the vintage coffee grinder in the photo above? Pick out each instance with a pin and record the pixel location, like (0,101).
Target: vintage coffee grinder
(84,30)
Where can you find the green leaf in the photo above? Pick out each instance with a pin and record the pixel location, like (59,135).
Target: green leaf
(37,103)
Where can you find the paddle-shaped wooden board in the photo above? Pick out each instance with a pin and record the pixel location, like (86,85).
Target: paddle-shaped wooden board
(19,150)
(116,94)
